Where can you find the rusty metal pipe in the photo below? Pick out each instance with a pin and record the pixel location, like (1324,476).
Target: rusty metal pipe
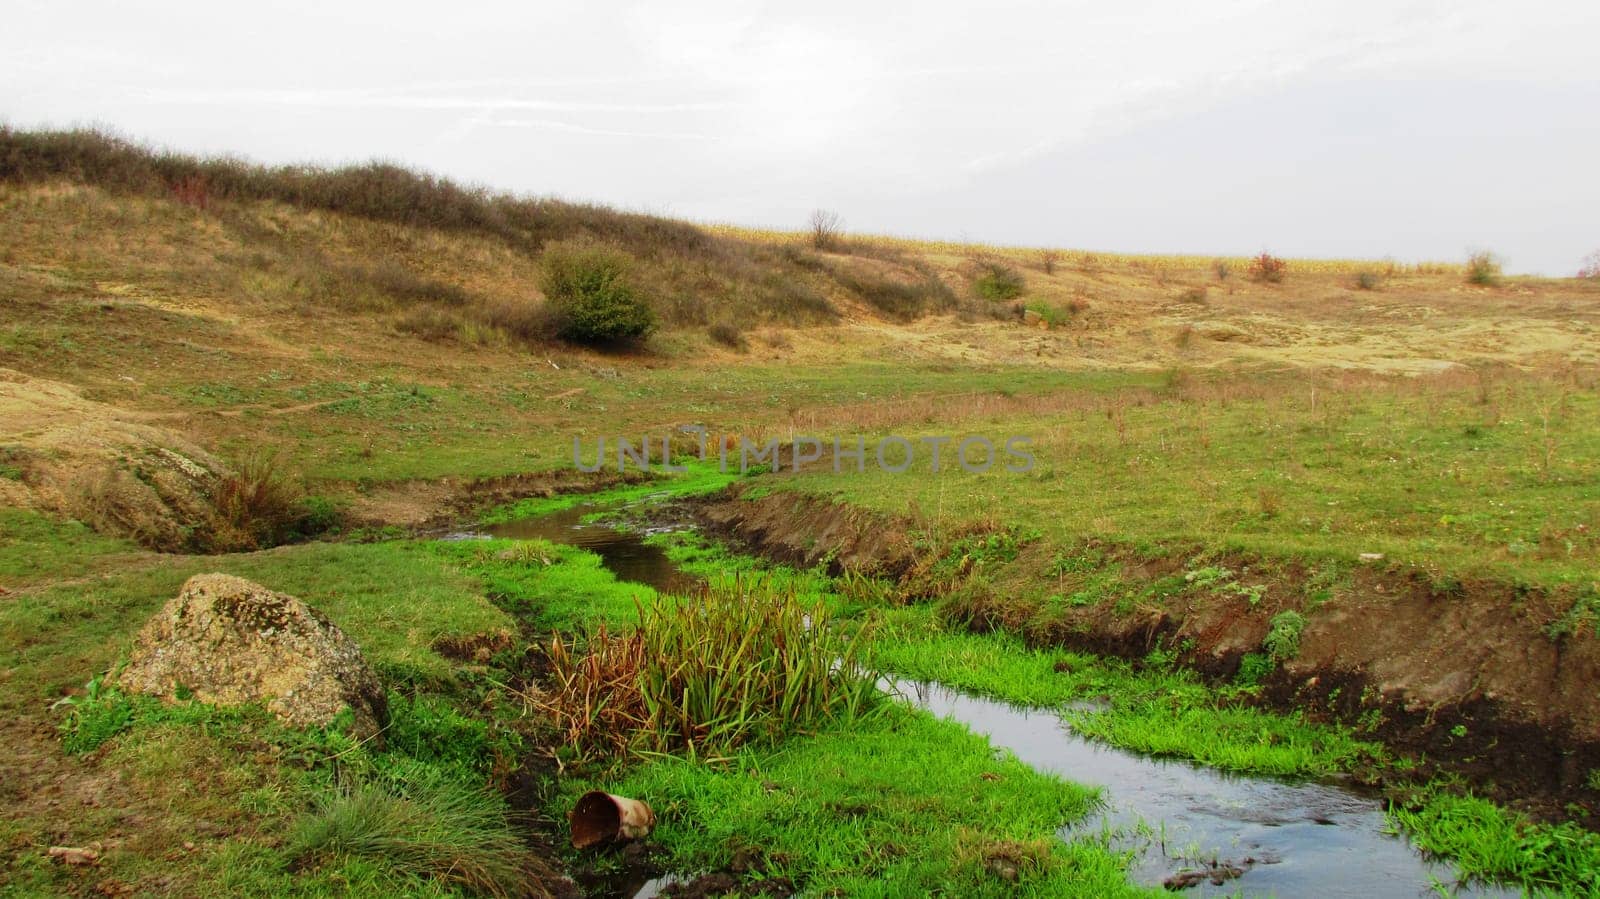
(600,817)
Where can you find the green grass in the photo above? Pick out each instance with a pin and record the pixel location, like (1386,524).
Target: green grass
(38,548)
(1155,709)
(1487,841)
(394,599)
(546,585)
(714,563)
(900,805)
(454,835)
(286,811)
(1428,475)
(700,478)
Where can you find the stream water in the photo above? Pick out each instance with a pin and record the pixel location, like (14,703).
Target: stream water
(624,553)
(1271,836)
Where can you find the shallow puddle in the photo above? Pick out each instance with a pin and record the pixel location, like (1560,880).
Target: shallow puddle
(1285,838)
(624,553)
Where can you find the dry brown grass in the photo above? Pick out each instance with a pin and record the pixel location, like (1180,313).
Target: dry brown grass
(594,700)
(691,270)
(256,505)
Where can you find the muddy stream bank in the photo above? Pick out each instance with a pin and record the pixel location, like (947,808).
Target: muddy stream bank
(1189,826)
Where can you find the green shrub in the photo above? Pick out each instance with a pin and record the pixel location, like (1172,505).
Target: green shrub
(998,281)
(1054,316)
(1283,638)
(590,287)
(1254,668)
(1368,280)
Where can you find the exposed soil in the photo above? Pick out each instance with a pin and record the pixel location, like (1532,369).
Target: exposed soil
(106,466)
(800,529)
(431,505)
(1464,675)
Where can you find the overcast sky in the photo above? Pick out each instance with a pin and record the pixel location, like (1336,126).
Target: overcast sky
(1352,128)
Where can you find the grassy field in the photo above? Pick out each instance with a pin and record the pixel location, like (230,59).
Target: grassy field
(1201,438)
(1486,473)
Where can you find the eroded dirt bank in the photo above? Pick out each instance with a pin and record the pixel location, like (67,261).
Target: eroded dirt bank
(1491,681)
(427,505)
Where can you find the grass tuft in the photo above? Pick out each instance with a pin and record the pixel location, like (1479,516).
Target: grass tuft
(445,833)
(257,505)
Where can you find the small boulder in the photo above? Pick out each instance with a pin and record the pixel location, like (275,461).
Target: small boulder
(230,641)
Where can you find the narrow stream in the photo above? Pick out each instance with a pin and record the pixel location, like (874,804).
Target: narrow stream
(1270,836)
(1288,838)
(624,553)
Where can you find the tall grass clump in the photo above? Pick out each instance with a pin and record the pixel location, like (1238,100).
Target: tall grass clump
(998,281)
(590,287)
(729,335)
(259,505)
(1483,269)
(448,833)
(741,662)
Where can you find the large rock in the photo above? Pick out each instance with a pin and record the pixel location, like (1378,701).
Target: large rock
(230,641)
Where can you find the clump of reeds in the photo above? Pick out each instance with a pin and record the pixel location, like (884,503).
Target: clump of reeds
(740,662)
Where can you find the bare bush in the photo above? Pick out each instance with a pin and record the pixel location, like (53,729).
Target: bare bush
(729,335)
(1483,269)
(826,229)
